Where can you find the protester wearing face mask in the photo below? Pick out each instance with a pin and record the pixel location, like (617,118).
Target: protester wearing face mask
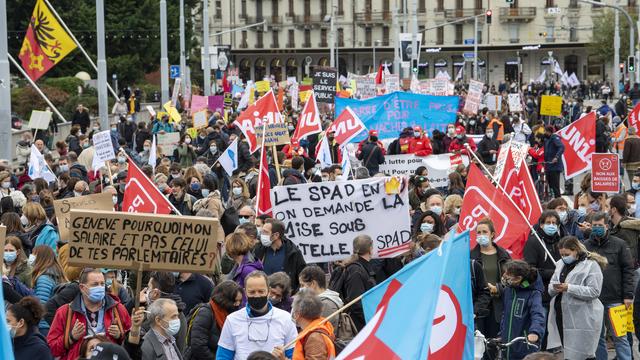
(238,247)
(146,152)
(208,322)
(280,291)
(535,253)
(278,253)
(492,258)
(569,218)
(115,288)
(450,135)
(419,192)
(488,148)
(6,187)
(246,215)
(160,341)
(91,313)
(452,206)
(23,318)
(179,197)
(461,141)
(185,153)
(618,279)
(258,327)
(553,150)
(523,286)
(576,313)
(211,152)
(15,265)
(434,203)
(428,223)
(47,274)
(623,226)
(239,196)
(635,188)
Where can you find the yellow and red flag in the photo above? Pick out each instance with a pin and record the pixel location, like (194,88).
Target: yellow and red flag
(45,44)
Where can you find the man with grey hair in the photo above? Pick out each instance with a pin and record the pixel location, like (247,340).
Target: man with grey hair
(159,343)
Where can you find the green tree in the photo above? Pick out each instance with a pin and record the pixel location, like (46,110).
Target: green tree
(603,31)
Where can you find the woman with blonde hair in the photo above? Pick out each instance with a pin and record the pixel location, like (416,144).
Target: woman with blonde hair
(576,313)
(239,196)
(46,275)
(452,206)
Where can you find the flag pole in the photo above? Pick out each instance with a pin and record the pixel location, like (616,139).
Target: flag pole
(53,10)
(264,127)
(533,231)
(46,99)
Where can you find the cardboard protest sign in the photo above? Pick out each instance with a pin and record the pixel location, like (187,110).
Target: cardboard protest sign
(124,240)
(391,83)
(323,218)
(103,147)
(438,166)
(440,87)
(365,87)
(276,134)
(200,119)
(605,173)
(515,104)
(168,142)
(474,97)
(324,84)
(551,105)
(263,86)
(199,102)
(39,119)
(151,111)
(62,207)
(172,111)
(493,102)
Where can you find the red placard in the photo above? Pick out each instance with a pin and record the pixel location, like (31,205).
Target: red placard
(605,173)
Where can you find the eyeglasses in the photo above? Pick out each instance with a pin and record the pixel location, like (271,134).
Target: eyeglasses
(258,331)
(244,216)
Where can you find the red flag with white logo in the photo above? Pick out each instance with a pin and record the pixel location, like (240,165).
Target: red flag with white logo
(141,195)
(264,109)
(579,139)
(634,115)
(483,200)
(309,121)
(518,184)
(346,126)
(263,203)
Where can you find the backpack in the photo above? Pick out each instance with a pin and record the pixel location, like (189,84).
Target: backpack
(337,344)
(345,331)
(192,317)
(338,278)
(19,287)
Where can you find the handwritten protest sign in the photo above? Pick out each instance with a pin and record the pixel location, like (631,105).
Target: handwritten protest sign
(438,166)
(365,87)
(159,242)
(474,97)
(103,147)
(168,142)
(551,105)
(39,119)
(391,83)
(324,84)
(323,218)
(277,134)
(200,119)
(493,102)
(621,319)
(515,104)
(62,207)
(440,87)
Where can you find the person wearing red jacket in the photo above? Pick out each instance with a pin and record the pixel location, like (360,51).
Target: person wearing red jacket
(91,312)
(537,160)
(294,149)
(457,146)
(419,144)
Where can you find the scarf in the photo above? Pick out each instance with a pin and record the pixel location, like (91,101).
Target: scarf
(219,314)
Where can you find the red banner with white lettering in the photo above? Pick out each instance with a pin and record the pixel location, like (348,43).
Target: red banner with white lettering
(605,173)
(141,195)
(263,202)
(634,115)
(309,121)
(264,109)
(519,186)
(483,200)
(346,126)
(579,139)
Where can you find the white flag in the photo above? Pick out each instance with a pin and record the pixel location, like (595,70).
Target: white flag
(541,79)
(573,80)
(346,163)
(153,156)
(38,167)
(556,68)
(324,154)
(564,80)
(460,73)
(244,100)
(229,158)
(386,70)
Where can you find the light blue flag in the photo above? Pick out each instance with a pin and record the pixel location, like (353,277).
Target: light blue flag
(6,348)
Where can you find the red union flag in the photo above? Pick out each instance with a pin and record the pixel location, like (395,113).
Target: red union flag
(309,121)
(634,115)
(520,188)
(483,200)
(264,109)
(141,195)
(579,139)
(346,126)
(263,203)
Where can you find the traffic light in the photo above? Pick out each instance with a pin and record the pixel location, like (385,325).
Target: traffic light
(414,66)
(543,34)
(631,64)
(488,16)
(621,68)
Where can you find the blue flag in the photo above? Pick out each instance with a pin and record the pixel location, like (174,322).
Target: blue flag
(6,350)
(409,319)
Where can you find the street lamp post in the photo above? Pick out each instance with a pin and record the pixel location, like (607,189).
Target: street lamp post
(375,43)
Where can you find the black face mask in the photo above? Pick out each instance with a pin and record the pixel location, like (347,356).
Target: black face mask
(374,139)
(257,303)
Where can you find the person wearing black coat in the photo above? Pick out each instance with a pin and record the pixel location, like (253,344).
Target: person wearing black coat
(245,160)
(536,256)
(141,135)
(553,150)
(602,135)
(294,175)
(81,118)
(22,320)
(359,277)
(127,128)
(488,148)
(372,154)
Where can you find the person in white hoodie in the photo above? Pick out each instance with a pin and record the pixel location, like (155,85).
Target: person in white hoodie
(313,278)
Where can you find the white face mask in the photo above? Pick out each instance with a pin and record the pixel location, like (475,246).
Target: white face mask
(265,240)
(237,191)
(187,141)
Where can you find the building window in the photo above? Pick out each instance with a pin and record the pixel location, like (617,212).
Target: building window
(440,36)
(479,36)
(291,41)
(440,5)
(458,39)
(323,38)
(421,33)
(274,8)
(573,4)
(341,37)
(459,4)
(367,36)
(307,8)
(479,4)
(243,42)
(243,9)
(259,39)
(218,9)
(550,3)
(340,8)
(514,33)
(422,6)
(385,36)
(274,39)
(291,11)
(573,33)
(323,7)
(307,38)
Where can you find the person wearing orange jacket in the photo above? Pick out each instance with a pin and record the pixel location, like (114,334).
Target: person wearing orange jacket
(419,144)
(457,146)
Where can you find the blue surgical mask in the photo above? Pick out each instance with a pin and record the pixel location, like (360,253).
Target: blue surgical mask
(563,216)
(205,192)
(598,231)
(195,186)
(483,240)
(436,209)
(550,229)
(12,331)
(426,228)
(96,294)
(109,282)
(10,257)
(242,220)
(595,206)
(582,211)
(568,259)
(635,186)
(175,274)
(173,327)
(237,191)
